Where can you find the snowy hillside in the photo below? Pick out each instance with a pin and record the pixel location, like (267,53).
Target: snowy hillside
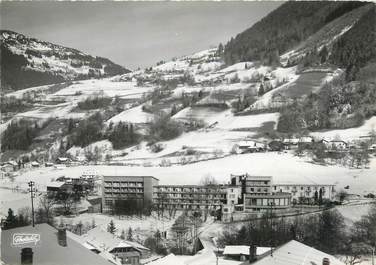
(197,88)
(28,62)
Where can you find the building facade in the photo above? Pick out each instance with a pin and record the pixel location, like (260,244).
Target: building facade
(306,193)
(138,188)
(257,193)
(190,196)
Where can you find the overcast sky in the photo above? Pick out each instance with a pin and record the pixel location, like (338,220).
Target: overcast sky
(133,34)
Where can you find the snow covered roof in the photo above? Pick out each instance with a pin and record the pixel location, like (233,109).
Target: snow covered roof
(291,141)
(56,184)
(170,259)
(123,245)
(103,240)
(13,163)
(295,253)
(250,143)
(306,139)
(89,246)
(47,249)
(236,250)
(243,250)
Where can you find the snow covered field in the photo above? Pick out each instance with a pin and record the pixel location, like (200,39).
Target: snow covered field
(133,115)
(107,85)
(284,167)
(230,122)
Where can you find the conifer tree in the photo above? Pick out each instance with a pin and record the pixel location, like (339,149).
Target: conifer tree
(111,227)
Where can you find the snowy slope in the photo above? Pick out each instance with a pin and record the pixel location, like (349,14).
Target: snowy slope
(29,62)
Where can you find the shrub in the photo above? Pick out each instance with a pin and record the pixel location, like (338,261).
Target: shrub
(88,131)
(94,102)
(122,135)
(163,128)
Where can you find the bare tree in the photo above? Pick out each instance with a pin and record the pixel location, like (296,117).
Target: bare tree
(210,183)
(355,252)
(68,203)
(47,204)
(208,180)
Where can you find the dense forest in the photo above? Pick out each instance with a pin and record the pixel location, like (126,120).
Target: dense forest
(282,29)
(292,23)
(353,55)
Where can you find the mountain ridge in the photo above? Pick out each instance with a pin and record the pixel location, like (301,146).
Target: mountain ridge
(285,28)
(28,62)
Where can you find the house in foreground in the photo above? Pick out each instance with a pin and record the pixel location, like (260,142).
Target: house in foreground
(45,245)
(106,244)
(294,253)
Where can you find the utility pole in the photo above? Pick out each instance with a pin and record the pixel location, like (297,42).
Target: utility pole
(32,191)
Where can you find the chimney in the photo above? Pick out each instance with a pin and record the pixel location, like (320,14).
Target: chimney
(62,236)
(252,253)
(26,256)
(325,261)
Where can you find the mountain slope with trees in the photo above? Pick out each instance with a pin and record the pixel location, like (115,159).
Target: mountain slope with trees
(27,62)
(283,29)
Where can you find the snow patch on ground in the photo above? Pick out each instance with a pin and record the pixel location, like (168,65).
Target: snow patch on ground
(134,115)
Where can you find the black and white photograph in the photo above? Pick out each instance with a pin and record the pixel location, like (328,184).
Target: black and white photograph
(188,132)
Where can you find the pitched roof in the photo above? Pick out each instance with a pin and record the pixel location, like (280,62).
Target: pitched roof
(295,253)
(105,241)
(46,250)
(56,184)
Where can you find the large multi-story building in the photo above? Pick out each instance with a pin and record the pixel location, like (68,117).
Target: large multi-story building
(136,188)
(190,196)
(244,193)
(257,193)
(306,193)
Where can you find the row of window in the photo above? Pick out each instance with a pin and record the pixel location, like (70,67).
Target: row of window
(196,196)
(196,190)
(251,190)
(123,184)
(156,200)
(124,195)
(257,183)
(308,188)
(267,202)
(192,206)
(124,190)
